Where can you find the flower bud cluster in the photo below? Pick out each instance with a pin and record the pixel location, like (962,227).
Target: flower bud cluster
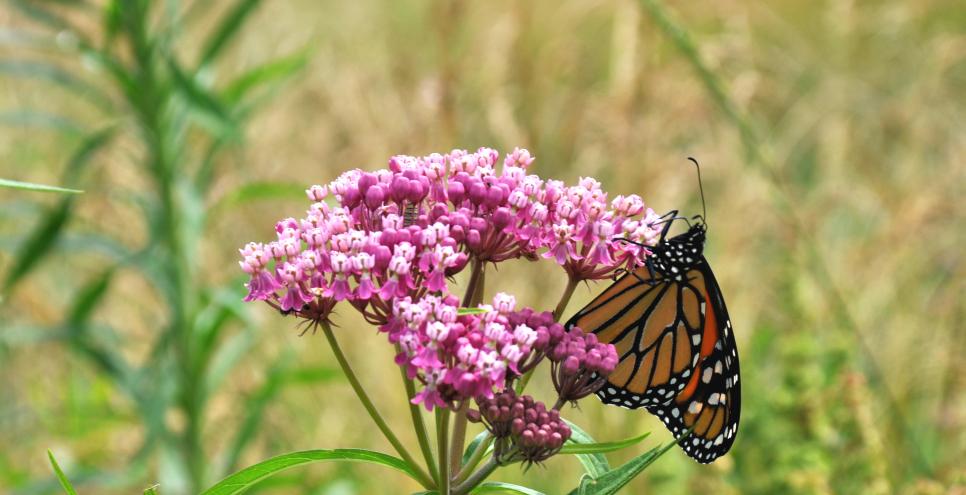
(580,364)
(523,428)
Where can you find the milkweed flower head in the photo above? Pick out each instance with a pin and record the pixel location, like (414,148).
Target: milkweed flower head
(389,241)
(372,237)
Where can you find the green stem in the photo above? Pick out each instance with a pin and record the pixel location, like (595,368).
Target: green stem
(474,459)
(565,298)
(459,437)
(422,477)
(477,477)
(442,444)
(419,425)
(472,289)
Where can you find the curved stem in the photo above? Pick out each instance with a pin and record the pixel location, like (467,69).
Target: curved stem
(423,478)
(565,298)
(419,425)
(477,477)
(442,446)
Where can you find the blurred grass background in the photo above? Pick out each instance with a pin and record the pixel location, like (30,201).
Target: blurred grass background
(831,135)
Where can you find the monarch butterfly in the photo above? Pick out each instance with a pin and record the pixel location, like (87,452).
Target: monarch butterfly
(677,351)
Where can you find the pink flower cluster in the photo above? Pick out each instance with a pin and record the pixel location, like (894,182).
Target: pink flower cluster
(374,237)
(461,357)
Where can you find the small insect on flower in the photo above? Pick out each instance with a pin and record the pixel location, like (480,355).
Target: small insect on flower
(677,350)
(410,214)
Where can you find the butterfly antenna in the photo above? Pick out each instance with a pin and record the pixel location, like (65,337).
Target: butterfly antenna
(704,207)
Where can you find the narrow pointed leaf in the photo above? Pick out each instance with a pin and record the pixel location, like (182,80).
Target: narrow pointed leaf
(88,298)
(40,120)
(257,191)
(594,464)
(501,487)
(51,73)
(275,71)
(40,241)
(246,478)
(471,448)
(64,482)
(30,186)
(227,29)
(471,311)
(610,483)
(200,98)
(597,448)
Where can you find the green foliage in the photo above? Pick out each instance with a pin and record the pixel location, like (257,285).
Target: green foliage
(28,186)
(180,122)
(829,137)
(246,478)
(499,487)
(612,481)
(64,482)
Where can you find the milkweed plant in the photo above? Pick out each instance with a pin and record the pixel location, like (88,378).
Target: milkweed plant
(389,243)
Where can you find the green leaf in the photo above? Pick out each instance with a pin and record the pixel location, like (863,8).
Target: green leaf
(314,375)
(473,445)
(501,487)
(201,98)
(152,490)
(611,482)
(472,311)
(88,298)
(275,71)
(41,120)
(227,29)
(58,76)
(596,448)
(244,479)
(594,464)
(29,186)
(64,482)
(40,241)
(43,16)
(256,191)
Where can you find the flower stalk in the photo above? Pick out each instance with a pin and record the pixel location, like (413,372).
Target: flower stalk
(419,425)
(423,478)
(442,444)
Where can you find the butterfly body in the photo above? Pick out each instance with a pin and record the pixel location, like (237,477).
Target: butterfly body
(669,324)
